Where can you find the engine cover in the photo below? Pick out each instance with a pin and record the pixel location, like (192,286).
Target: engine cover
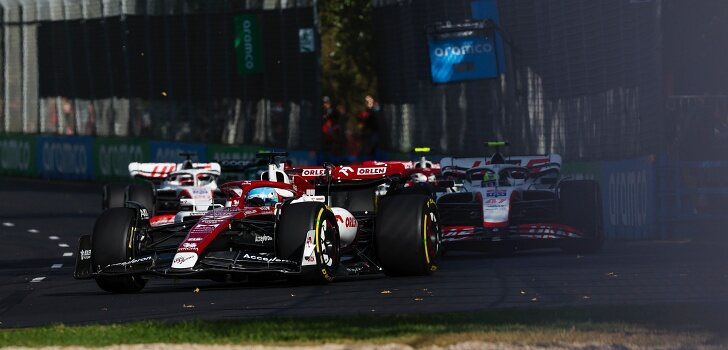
(348,226)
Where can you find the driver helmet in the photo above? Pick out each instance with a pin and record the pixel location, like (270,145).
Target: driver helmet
(489,179)
(261,196)
(419,177)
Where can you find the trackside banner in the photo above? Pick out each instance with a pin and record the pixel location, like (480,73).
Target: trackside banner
(113,155)
(629,198)
(65,157)
(17,154)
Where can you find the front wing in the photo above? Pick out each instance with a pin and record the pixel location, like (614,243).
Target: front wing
(160,264)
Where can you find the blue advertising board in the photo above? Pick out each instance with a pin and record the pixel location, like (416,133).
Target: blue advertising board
(62,157)
(628,190)
(488,10)
(458,58)
(170,151)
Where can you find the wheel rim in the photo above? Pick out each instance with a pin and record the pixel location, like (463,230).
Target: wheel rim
(327,242)
(431,235)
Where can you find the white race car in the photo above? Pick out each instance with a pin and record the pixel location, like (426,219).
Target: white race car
(167,189)
(518,202)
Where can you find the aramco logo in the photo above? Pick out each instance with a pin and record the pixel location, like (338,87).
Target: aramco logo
(463,49)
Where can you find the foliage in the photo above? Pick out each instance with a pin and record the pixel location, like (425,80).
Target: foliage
(347,51)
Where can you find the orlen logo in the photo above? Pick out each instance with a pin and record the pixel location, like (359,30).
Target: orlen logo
(371,171)
(313,172)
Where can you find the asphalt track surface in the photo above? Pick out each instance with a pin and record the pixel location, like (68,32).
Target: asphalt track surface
(40,222)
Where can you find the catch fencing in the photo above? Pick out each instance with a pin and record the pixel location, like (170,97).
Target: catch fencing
(224,71)
(591,80)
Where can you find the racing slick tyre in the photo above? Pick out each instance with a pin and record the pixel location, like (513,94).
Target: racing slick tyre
(110,245)
(309,229)
(113,196)
(580,206)
(142,193)
(420,188)
(407,235)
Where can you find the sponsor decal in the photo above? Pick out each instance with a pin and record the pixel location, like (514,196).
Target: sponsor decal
(346,170)
(211,221)
(144,213)
(308,249)
(266,259)
(201,193)
(184,260)
(313,172)
(458,232)
(263,239)
(188,247)
(203,228)
(85,254)
(133,261)
(194,239)
(348,222)
(496,193)
(371,171)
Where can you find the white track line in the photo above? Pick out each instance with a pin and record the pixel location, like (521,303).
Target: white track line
(53,238)
(8,224)
(63,245)
(32,230)
(37,279)
(56,266)
(67,254)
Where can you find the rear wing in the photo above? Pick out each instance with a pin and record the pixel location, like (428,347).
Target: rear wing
(452,166)
(161,170)
(369,171)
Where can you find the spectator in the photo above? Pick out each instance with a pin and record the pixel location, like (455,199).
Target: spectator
(333,135)
(369,127)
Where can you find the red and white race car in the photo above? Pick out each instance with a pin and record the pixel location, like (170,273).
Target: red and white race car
(518,202)
(420,176)
(310,223)
(168,189)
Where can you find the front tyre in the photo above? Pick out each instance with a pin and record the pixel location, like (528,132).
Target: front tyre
(407,235)
(111,243)
(142,193)
(113,196)
(307,233)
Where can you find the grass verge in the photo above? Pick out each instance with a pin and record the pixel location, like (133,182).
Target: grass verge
(651,325)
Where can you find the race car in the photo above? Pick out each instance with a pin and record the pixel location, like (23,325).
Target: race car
(309,224)
(421,176)
(517,203)
(165,189)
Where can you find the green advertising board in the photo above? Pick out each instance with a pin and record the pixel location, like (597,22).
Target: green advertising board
(248,48)
(113,155)
(582,170)
(18,154)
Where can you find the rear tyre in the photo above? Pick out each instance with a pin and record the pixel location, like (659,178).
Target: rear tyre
(407,235)
(580,206)
(142,193)
(110,244)
(113,196)
(309,229)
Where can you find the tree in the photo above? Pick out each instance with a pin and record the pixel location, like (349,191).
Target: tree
(347,51)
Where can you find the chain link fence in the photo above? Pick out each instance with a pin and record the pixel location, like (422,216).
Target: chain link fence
(592,80)
(163,69)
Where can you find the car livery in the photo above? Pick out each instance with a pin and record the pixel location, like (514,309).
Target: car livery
(517,203)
